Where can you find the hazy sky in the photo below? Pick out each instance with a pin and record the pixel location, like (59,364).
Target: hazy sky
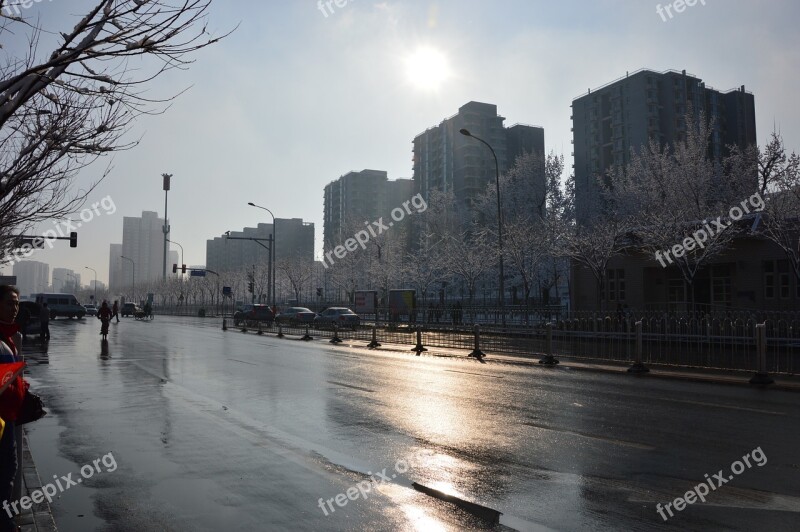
(294,98)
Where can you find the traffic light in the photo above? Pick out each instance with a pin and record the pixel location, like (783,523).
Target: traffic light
(251,287)
(183,268)
(319,292)
(174,268)
(73,239)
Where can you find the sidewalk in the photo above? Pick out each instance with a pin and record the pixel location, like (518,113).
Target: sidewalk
(38,518)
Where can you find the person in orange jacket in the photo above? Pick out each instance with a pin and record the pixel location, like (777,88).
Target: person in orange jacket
(10,400)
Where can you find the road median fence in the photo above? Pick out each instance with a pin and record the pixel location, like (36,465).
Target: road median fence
(722,342)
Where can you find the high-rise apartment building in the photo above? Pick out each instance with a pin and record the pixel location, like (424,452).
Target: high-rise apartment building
(445,159)
(294,239)
(351,200)
(32,277)
(115,279)
(143,243)
(629,112)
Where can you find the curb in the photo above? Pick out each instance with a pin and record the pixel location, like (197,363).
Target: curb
(39,518)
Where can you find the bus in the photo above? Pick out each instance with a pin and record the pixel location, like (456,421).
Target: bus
(61,305)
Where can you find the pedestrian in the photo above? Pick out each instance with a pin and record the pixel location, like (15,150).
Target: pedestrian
(11,399)
(44,322)
(115,311)
(23,320)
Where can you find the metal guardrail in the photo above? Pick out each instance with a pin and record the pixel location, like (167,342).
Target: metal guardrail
(707,343)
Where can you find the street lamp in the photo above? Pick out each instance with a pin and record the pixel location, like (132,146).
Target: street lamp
(466,133)
(133,276)
(272,247)
(173,242)
(95,283)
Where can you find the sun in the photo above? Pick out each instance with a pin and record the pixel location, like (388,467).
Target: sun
(427,68)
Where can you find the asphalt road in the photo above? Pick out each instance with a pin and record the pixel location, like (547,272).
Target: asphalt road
(213,430)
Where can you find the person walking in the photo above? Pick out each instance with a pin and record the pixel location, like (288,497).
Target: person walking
(115,310)
(104,315)
(44,322)
(10,401)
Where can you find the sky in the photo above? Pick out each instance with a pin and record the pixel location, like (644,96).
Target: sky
(297,97)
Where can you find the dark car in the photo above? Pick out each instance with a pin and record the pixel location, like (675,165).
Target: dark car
(296,316)
(343,317)
(253,314)
(129,309)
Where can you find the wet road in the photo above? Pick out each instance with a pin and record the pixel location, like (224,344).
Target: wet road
(233,431)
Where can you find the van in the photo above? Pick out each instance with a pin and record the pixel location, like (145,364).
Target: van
(61,305)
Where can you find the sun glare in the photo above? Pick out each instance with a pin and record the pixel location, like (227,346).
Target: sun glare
(427,68)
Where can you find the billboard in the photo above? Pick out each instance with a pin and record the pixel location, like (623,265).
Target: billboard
(366,301)
(403,303)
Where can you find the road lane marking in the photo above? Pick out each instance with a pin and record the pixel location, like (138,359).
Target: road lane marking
(469,373)
(242,361)
(717,405)
(636,445)
(351,386)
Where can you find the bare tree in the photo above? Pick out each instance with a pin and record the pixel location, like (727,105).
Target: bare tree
(62,109)
(298,273)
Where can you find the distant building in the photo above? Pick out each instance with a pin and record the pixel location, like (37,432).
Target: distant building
(294,239)
(115,279)
(351,199)
(142,242)
(607,122)
(65,280)
(445,159)
(32,277)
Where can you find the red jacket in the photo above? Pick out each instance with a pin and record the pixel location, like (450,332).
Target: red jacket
(12,397)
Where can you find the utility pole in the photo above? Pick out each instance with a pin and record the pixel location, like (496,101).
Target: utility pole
(166,221)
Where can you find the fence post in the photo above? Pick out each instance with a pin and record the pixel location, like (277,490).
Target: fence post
(307,337)
(336,339)
(280,331)
(224,324)
(419,348)
(260,331)
(477,353)
(374,343)
(548,359)
(638,366)
(761,378)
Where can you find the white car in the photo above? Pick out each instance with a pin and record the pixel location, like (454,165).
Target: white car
(91,310)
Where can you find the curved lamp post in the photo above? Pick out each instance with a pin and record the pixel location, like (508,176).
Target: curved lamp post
(95,283)
(466,133)
(272,249)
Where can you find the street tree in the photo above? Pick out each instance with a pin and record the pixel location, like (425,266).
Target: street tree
(67,104)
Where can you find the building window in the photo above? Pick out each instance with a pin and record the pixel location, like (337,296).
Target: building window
(769,279)
(784,279)
(615,285)
(721,285)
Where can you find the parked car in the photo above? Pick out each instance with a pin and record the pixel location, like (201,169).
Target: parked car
(65,305)
(344,317)
(129,309)
(296,316)
(253,314)
(91,310)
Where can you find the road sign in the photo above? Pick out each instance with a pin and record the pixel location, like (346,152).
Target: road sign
(198,273)
(226,291)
